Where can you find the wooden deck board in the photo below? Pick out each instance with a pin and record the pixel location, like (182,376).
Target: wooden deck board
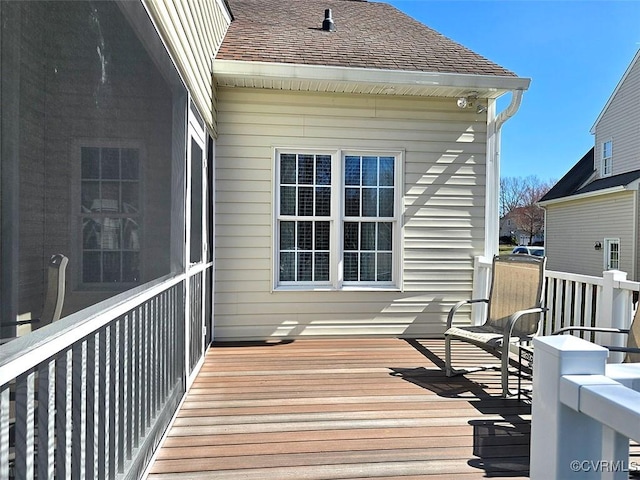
(344,409)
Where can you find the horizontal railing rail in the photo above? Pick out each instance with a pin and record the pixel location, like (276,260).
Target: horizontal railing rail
(584,411)
(91,395)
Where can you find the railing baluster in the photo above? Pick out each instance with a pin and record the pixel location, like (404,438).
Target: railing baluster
(104,407)
(125,389)
(5,408)
(114,403)
(93,395)
(63,392)
(79,410)
(25,425)
(133,369)
(46,420)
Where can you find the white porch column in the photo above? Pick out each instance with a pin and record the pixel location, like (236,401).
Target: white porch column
(614,312)
(559,434)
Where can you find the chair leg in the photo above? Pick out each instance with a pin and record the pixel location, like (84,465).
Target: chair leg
(447,356)
(504,375)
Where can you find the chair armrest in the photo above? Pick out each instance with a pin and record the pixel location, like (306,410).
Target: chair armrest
(455,308)
(513,319)
(591,329)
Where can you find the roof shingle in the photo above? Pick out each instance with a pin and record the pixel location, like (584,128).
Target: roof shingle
(368,35)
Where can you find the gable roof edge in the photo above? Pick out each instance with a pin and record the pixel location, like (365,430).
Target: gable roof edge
(488,86)
(636,58)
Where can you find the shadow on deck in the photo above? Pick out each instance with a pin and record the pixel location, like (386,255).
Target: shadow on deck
(344,409)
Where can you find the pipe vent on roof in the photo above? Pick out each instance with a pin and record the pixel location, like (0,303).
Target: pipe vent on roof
(327,24)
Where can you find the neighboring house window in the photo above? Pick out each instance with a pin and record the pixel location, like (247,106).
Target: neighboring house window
(612,253)
(607,158)
(337,220)
(110,215)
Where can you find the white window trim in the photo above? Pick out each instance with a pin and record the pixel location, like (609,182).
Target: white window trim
(336,282)
(606,161)
(608,242)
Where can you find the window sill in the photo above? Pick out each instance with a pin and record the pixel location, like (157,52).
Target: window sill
(328,288)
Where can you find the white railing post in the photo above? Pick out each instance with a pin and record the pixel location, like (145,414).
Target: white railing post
(481,281)
(613,312)
(559,434)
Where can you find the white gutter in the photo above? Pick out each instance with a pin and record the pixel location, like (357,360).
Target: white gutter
(494,131)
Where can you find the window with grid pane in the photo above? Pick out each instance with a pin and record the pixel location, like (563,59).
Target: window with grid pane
(369,217)
(607,158)
(110,214)
(304,218)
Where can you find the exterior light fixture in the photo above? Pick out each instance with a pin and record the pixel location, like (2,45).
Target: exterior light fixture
(598,246)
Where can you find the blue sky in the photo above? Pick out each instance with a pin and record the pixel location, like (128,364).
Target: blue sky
(574,51)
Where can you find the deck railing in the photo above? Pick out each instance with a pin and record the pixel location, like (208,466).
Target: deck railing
(584,411)
(91,395)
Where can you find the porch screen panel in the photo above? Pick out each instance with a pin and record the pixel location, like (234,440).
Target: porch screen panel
(93,145)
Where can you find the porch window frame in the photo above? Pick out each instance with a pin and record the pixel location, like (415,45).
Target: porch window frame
(607,158)
(608,253)
(337,219)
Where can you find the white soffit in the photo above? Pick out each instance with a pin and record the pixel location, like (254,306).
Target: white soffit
(313,78)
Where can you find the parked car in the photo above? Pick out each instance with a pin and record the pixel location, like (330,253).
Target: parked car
(529,250)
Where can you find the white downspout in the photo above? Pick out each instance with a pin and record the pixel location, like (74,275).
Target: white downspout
(494,127)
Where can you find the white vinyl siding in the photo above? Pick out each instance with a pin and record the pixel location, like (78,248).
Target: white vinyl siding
(442,210)
(193,32)
(620,122)
(573,228)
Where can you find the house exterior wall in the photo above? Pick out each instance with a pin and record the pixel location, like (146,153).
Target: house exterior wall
(443,191)
(620,123)
(193,32)
(573,228)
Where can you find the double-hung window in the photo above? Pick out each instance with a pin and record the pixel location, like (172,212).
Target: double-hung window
(336,220)
(607,158)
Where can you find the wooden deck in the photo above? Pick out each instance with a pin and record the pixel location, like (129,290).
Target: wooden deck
(344,409)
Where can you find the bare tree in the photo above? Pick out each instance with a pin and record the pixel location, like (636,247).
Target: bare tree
(519,197)
(511,189)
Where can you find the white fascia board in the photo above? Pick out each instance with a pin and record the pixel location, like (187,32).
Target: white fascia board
(597,193)
(491,83)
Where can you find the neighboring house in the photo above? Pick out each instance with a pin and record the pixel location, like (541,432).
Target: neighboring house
(511,226)
(592,212)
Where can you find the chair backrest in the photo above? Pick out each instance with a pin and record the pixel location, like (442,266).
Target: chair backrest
(516,284)
(54,299)
(633,340)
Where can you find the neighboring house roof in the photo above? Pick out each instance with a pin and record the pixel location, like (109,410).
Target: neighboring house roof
(368,35)
(636,59)
(571,185)
(573,179)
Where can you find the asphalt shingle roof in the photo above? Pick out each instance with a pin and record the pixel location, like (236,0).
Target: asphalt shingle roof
(573,183)
(368,35)
(573,179)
